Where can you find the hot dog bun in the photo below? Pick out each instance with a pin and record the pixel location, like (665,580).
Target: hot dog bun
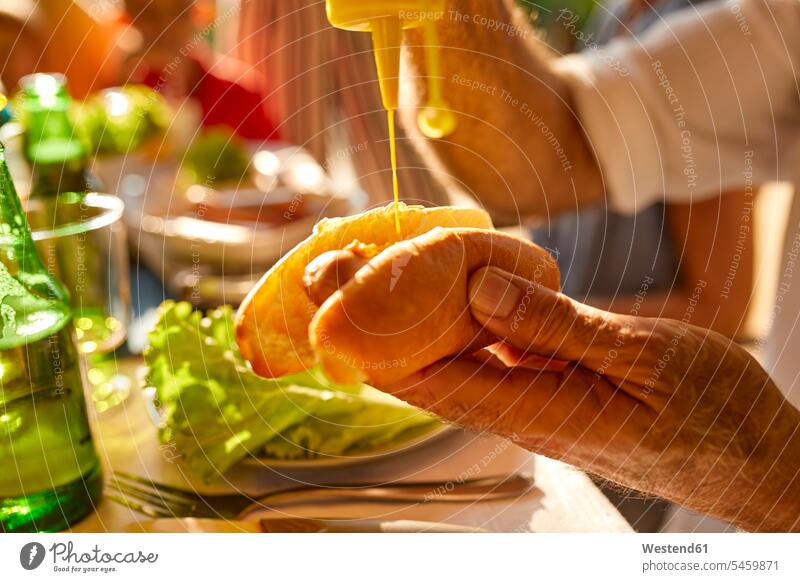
(272,322)
(408,307)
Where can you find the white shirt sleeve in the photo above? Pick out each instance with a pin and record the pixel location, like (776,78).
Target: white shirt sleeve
(706,101)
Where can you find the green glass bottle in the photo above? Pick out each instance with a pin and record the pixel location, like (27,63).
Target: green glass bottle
(58,158)
(50,474)
(60,178)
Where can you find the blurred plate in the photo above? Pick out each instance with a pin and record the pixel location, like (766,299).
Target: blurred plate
(230,247)
(231,233)
(377,454)
(399,447)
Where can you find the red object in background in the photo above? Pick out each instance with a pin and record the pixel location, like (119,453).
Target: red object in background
(225,102)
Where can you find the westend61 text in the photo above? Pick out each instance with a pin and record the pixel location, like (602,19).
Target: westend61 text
(673,549)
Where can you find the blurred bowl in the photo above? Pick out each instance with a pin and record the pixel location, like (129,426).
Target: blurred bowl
(234,229)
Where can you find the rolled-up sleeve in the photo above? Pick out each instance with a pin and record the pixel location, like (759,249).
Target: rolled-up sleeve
(706,101)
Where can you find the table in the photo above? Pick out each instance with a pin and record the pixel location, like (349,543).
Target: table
(564,499)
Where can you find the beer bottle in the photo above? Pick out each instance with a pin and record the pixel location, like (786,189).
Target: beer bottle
(50,474)
(58,158)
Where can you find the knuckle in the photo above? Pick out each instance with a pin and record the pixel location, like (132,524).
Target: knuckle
(546,318)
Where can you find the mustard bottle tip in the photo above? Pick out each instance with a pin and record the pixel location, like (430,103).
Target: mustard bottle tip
(436,121)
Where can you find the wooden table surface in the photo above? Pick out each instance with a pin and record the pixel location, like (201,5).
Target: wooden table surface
(564,499)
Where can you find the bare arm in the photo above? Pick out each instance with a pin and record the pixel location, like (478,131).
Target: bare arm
(713,240)
(518,147)
(666,115)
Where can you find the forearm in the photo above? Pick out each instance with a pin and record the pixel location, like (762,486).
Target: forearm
(777,491)
(734,439)
(518,146)
(763,493)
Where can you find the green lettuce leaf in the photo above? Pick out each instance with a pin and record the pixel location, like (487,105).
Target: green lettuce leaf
(217,411)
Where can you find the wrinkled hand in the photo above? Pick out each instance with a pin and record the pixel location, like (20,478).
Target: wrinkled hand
(655,405)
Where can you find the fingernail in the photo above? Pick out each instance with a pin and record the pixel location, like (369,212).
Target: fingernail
(494,295)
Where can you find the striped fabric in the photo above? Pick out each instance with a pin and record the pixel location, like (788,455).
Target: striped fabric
(321,82)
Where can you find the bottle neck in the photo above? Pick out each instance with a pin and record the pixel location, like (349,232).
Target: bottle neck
(51,179)
(57,157)
(13,226)
(23,277)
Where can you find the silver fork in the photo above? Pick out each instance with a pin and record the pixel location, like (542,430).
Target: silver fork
(159,500)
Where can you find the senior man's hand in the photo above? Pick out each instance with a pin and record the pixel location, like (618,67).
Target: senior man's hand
(659,406)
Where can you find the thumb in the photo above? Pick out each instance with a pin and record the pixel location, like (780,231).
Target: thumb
(541,321)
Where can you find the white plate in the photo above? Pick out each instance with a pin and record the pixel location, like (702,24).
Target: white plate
(326,462)
(397,448)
